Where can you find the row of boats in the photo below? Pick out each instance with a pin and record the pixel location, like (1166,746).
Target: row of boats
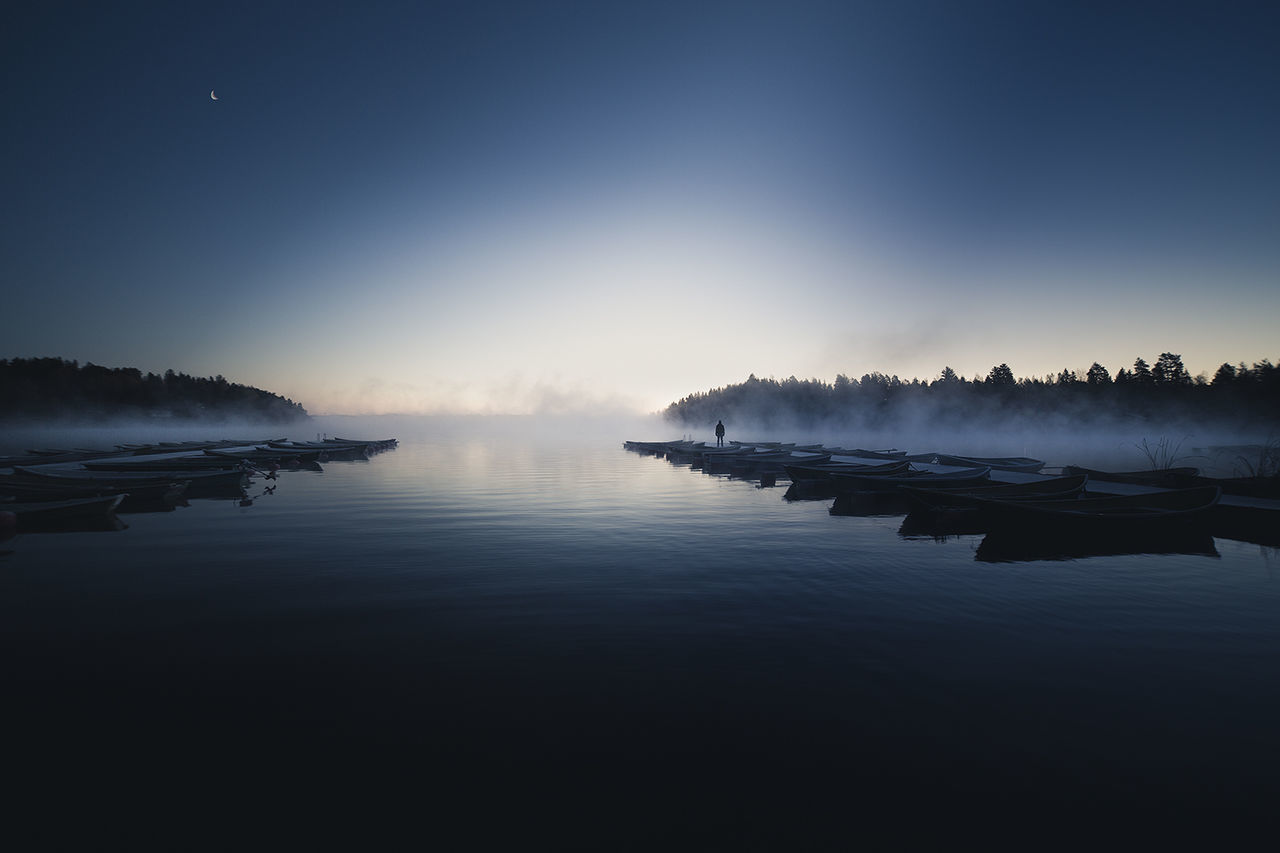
(948,494)
(54,489)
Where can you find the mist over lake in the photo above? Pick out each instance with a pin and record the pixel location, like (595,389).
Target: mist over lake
(515,626)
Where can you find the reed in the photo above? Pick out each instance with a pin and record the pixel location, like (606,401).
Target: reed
(1163,454)
(1267,463)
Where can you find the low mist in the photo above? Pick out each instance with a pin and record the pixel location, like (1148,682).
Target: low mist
(18,436)
(1106,443)
(1116,444)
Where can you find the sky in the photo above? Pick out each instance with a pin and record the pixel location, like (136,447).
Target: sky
(556,206)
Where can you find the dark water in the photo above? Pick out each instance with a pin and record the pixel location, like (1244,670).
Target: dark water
(507,636)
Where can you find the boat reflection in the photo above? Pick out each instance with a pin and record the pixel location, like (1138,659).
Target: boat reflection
(940,525)
(810,490)
(1010,547)
(864,504)
(167,503)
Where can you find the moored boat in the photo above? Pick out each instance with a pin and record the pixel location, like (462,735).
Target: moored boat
(850,482)
(1169,510)
(773,464)
(304,461)
(883,455)
(24,489)
(327,450)
(823,470)
(124,479)
(182,463)
(1023,464)
(377,444)
(54,457)
(1251,487)
(318,445)
(708,457)
(1168,478)
(654,447)
(966,497)
(774,460)
(36,514)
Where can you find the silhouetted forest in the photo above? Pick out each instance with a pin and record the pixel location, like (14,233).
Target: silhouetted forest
(1165,391)
(51,388)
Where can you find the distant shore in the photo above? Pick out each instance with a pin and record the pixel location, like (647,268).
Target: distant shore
(54,390)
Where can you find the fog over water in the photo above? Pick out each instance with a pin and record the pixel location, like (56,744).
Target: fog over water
(1109,445)
(1216,449)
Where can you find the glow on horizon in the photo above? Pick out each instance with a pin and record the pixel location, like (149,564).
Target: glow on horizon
(627,300)
(620,305)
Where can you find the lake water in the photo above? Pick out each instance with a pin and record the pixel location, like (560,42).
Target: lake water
(511,634)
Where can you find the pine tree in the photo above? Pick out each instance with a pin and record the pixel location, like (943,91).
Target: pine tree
(1170,371)
(1097,375)
(1001,374)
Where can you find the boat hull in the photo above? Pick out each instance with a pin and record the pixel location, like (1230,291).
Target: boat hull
(33,516)
(1172,511)
(966,498)
(846,483)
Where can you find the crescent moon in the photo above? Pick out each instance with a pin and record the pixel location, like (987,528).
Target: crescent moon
(213,96)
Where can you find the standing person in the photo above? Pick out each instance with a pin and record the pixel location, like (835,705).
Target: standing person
(719,433)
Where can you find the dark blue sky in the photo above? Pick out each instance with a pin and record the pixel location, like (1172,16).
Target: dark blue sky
(475,169)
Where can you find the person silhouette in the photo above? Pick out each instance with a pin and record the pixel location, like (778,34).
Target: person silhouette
(719,433)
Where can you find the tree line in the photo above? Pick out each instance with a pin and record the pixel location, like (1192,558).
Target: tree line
(52,388)
(1238,394)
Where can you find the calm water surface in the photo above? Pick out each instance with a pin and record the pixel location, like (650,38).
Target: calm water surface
(500,630)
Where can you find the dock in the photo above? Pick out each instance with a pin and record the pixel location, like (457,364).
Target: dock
(1246,518)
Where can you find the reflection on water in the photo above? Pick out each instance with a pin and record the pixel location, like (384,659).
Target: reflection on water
(1044,543)
(1005,547)
(869,504)
(941,525)
(549,622)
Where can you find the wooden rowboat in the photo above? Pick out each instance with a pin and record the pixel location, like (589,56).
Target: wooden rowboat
(326,450)
(197,480)
(376,445)
(52,457)
(823,471)
(1024,464)
(33,515)
(327,446)
(883,455)
(967,497)
(1168,478)
(769,460)
(34,490)
(1172,510)
(182,463)
(847,482)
